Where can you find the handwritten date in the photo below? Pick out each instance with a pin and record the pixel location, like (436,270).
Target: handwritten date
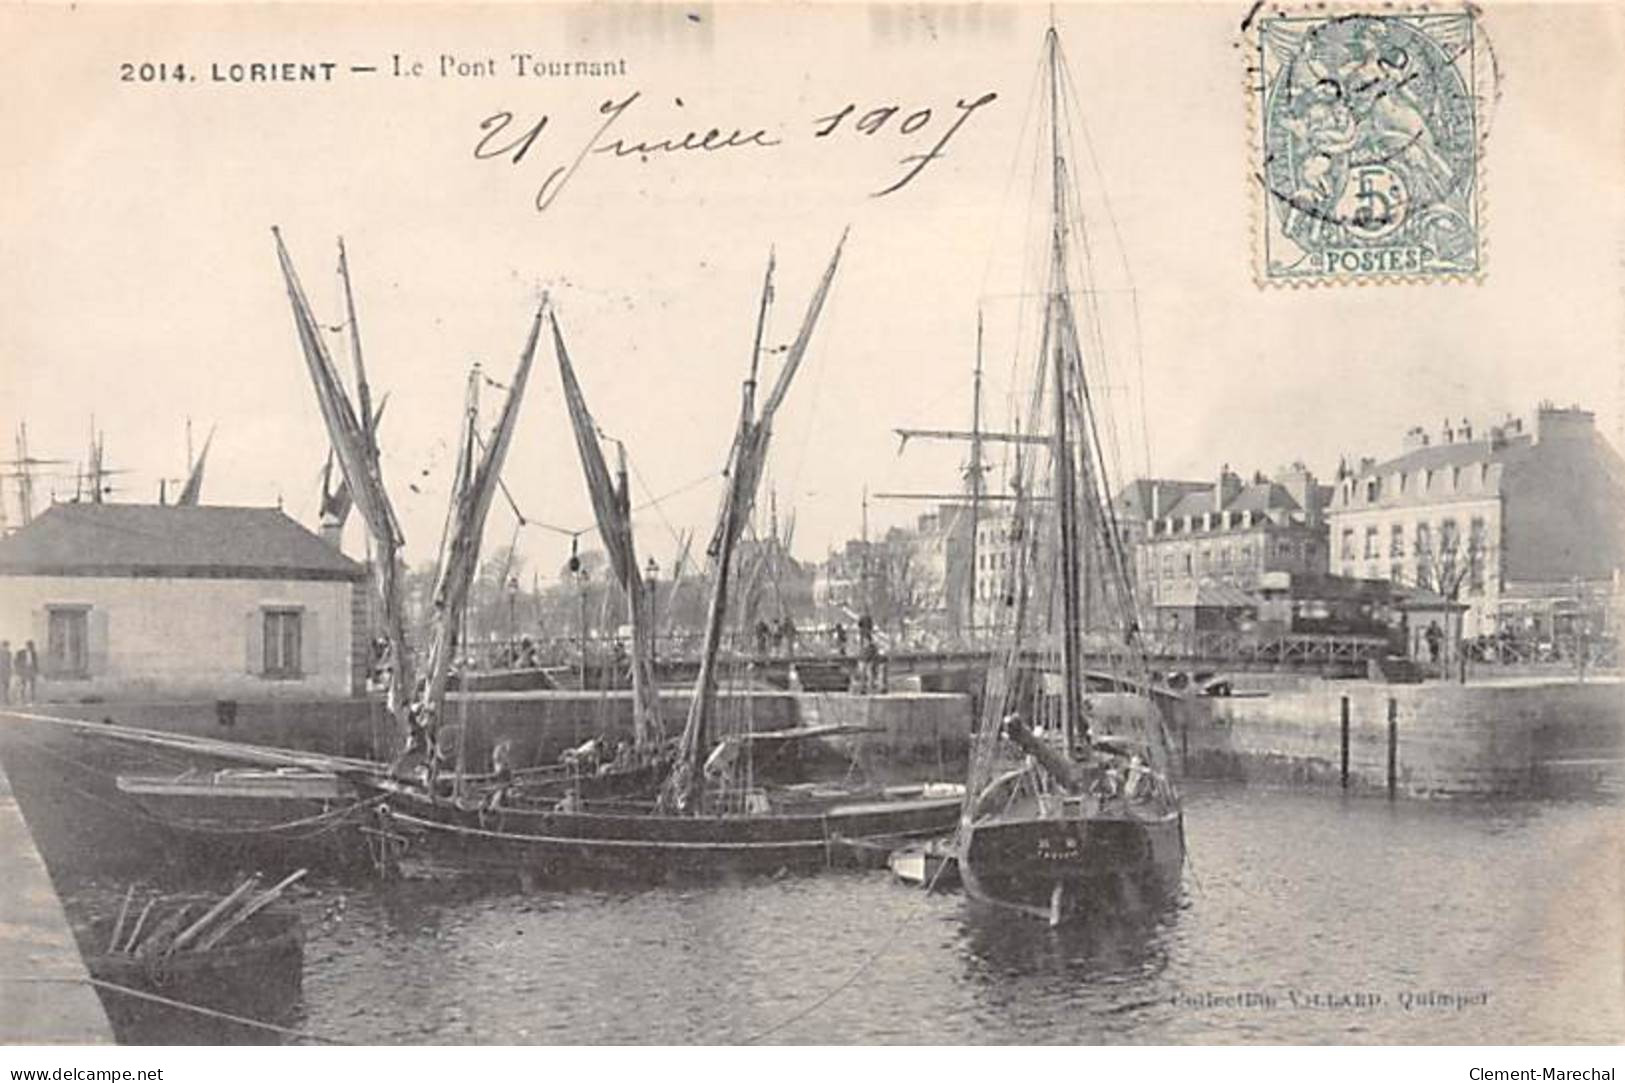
(931,129)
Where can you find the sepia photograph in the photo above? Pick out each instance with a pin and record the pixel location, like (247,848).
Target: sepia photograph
(826,524)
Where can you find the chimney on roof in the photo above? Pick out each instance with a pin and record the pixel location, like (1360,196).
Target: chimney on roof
(1449,434)
(1154,511)
(1466,431)
(1415,438)
(1300,484)
(1562,423)
(1228,489)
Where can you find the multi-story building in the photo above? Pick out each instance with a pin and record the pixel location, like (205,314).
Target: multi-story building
(1521,527)
(1223,537)
(910,579)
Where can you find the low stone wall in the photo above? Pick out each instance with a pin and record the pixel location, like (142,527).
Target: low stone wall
(910,735)
(48,998)
(540,725)
(1491,737)
(1532,737)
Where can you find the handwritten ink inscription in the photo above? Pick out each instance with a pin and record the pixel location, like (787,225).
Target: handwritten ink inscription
(924,131)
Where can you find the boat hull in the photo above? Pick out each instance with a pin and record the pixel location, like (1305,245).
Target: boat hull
(567,845)
(1065,868)
(253,816)
(256,974)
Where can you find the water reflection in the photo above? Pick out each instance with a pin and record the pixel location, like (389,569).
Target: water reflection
(1105,946)
(1512,908)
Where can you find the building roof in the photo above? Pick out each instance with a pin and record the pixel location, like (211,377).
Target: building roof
(1134,502)
(1460,453)
(1192,504)
(1263,496)
(165,541)
(1257,496)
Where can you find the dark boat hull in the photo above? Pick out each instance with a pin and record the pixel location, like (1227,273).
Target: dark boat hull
(644,846)
(1062,868)
(254,816)
(256,974)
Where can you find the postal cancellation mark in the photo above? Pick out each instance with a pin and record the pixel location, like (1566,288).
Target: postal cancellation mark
(1367,137)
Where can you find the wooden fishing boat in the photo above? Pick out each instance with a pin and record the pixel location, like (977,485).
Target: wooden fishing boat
(240,956)
(240,814)
(711,816)
(238,796)
(783,828)
(1078,817)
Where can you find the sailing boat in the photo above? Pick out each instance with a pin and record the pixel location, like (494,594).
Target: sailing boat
(280,806)
(704,821)
(1063,819)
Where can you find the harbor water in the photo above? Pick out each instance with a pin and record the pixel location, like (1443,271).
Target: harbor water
(1305,918)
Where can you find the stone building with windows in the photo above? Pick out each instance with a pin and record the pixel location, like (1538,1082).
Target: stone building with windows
(131,601)
(1525,528)
(1222,537)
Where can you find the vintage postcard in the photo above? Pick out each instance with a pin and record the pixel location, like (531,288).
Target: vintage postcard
(822,524)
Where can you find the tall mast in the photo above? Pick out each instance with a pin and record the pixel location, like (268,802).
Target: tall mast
(975,478)
(1075,728)
(363,390)
(863,567)
(697,736)
(687,784)
(25,476)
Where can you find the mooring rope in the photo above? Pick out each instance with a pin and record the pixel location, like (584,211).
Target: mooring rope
(125,990)
(862,967)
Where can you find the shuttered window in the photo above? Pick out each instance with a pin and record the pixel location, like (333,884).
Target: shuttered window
(67,642)
(282,643)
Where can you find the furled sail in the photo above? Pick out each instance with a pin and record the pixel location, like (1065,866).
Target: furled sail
(357,455)
(475,485)
(336,501)
(684,790)
(612,508)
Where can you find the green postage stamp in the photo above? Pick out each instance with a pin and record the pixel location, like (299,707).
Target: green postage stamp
(1367,133)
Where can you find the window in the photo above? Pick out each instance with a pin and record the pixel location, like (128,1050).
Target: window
(67,641)
(1396,573)
(282,635)
(1348,543)
(1475,556)
(1396,541)
(1370,542)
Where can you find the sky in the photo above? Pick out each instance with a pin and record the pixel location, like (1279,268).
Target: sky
(141,286)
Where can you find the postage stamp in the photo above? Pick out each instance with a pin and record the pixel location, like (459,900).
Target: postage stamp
(1367,136)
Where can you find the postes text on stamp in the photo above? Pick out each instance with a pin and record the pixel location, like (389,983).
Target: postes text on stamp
(1367,138)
